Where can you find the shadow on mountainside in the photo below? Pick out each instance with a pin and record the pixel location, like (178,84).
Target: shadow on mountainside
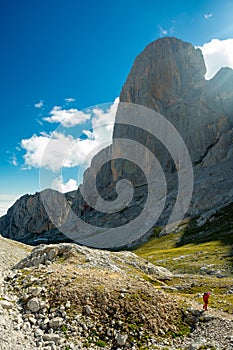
(218,227)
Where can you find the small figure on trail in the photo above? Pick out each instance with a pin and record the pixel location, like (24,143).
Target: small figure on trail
(206,296)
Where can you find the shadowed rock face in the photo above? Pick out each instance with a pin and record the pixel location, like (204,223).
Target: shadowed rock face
(168,77)
(28,221)
(27,216)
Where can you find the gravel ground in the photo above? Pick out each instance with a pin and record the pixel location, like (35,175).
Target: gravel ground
(21,331)
(11,338)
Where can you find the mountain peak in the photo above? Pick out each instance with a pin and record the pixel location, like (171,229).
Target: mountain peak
(168,68)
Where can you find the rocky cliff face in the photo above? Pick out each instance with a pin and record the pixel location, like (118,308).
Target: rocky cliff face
(168,77)
(28,221)
(26,217)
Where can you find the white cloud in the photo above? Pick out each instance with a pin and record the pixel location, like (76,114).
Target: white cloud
(70,99)
(167,31)
(103,122)
(67,117)
(13,160)
(60,186)
(6,201)
(46,150)
(163,31)
(56,150)
(217,53)
(208,15)
(39,104)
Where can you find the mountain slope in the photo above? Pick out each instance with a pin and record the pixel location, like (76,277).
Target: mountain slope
(65,296)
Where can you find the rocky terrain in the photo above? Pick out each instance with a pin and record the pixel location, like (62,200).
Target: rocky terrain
(12,333)
(65,296)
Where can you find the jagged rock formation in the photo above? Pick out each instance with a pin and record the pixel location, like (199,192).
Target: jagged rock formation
(27,216)
(111,261)
(28,221)
(168,77)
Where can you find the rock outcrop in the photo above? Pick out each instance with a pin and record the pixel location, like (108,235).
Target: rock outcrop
(28,221)
(110,261)
(27,217)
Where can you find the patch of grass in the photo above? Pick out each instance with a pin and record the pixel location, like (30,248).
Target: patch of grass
(60,260)
(101,343)
(132,326)
(100,287)
(21,280)
(188,258)
(194,247)
(152,281)
(139,296)
(223,303)
(64,329)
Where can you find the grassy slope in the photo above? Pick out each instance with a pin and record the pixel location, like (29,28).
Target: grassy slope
(203,254)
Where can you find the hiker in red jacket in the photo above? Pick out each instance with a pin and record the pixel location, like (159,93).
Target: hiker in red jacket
(206,300)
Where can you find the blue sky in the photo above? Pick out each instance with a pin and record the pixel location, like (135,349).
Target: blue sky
(75,54)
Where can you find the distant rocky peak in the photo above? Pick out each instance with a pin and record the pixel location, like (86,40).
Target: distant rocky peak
(223,81)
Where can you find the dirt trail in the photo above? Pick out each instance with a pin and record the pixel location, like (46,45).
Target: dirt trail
(211,311)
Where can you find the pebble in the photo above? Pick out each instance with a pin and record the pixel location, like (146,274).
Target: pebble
(51,337)
(33,304)
(6,305)
(56,322)
(121,339)
(35,291)
(88,309)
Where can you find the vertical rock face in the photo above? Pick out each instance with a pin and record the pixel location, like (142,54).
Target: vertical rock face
(166,71)
(168,76)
